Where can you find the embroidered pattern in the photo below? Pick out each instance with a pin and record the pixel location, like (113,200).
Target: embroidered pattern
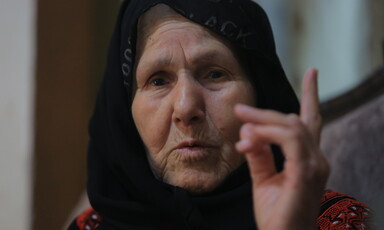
(89,220)
(343,213)
(339,212)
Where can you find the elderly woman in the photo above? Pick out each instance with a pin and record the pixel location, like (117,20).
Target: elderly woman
(196,127)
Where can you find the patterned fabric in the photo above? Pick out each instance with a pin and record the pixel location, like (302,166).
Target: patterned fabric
(89,220)
(338,212)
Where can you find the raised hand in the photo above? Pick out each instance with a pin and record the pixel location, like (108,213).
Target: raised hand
(289,199)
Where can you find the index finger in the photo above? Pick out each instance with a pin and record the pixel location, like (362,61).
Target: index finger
(310,105)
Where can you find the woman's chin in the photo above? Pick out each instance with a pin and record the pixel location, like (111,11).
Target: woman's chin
(195,182)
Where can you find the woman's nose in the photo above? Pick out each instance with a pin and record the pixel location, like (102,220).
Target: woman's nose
(189,104)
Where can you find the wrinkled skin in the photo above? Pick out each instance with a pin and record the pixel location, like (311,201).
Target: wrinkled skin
(188,82)
(193,102)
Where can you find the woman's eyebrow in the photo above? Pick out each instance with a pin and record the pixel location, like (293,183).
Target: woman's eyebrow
(209,56)
(154,61)
(161,60)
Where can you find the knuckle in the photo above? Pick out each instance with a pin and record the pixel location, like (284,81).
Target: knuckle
(295,134)
(293,119)
(246,130)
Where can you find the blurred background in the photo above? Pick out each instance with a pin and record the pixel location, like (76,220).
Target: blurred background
(52,56)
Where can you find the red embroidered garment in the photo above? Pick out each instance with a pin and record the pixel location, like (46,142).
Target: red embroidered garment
(88,220)
(337,212)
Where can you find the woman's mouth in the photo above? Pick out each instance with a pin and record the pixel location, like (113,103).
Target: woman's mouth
(193,150)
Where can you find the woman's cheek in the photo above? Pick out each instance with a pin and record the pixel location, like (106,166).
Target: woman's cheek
(154,132)
(147,121)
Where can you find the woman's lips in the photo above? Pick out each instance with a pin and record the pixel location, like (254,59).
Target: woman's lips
(193,150)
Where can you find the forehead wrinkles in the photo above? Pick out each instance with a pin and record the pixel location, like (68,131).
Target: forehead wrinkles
(171,31)
(192,43)
(161,19)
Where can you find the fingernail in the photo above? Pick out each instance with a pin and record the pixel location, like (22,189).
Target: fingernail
(246,130)
(241,106)
(243,144)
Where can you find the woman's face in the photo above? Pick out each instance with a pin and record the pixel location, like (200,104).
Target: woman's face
(188,82)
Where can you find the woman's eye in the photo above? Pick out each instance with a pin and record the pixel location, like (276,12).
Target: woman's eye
(158,82)
(215,74)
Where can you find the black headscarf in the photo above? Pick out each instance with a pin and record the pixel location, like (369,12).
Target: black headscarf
(121,185)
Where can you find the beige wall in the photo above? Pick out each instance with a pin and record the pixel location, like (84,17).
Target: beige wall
(17,26)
